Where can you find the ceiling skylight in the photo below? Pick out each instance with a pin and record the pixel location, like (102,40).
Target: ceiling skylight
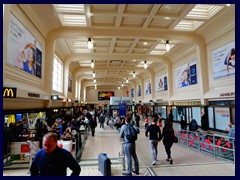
(71,14)
(197,16)
(203,11)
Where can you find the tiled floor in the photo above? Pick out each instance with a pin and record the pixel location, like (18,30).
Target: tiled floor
(186,162)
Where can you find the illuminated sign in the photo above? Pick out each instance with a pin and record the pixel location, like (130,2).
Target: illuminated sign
(54,97)
(105,95)
(9,92)
(25,148)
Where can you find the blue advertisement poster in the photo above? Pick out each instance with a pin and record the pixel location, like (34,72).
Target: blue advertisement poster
(193,74)
(132,92)
(122,109)
(186,74)
(165,83)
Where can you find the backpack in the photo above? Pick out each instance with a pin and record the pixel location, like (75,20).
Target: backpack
(101,119)
(131,133)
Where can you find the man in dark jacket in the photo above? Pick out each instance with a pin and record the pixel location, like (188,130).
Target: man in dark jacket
(155,136)
(52,160)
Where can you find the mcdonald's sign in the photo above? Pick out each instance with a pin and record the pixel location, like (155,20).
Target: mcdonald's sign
(9,92)
(25,148)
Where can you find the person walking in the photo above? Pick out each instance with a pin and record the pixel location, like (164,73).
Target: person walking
(102,120)
(154,138)
(146,122)
(129,147)
(93,125)
(52,160)
(168,139)
(137,118)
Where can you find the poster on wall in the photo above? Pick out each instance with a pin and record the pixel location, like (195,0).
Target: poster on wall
(105,95)
(224,61)
(147,88)
(23,50)
(186,74)
(161,83)
(139,90)
(69,82)
(132,92)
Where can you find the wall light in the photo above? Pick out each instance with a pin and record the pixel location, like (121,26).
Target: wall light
(167,46)
(127,80)
(122,84)
(119,87)
(94,74)
(94,80)
(134,75)
(90,43)
(145,65)
(92,64)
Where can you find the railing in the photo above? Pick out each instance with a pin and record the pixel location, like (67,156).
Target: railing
(216,145)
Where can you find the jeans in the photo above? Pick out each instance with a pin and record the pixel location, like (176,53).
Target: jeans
(130,151)
(153,148)
(102,125)
(168,150)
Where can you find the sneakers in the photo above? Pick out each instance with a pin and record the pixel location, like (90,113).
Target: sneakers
(154,162)
(171,161)
(167,159)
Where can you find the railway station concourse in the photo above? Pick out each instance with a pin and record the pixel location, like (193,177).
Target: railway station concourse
(63,60)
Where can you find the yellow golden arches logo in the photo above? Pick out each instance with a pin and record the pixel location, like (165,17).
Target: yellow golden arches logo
(9,92)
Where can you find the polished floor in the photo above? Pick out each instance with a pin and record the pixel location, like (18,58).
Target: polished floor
(186,162)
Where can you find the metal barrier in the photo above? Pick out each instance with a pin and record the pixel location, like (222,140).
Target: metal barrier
(216,145)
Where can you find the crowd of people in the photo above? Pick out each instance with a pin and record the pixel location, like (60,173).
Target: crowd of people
(64,129)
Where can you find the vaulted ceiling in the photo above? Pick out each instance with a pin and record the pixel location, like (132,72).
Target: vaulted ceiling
(124,36)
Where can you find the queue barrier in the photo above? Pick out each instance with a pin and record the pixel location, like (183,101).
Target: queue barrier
(215,145)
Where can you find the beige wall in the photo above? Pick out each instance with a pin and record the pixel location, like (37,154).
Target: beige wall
(92,94)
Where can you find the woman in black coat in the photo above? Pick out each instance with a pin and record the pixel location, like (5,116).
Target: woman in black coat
(168,138)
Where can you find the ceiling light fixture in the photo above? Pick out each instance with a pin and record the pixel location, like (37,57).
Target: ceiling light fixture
(145,65)
(95,87)
(119,87)
(122,84)
(127,80)
(167,46)
(134,75)
(94,74)
(95,84)
(92,64)
(94,80)
(228,5)
(90,43)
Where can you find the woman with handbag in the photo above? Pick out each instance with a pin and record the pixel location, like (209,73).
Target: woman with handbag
(168,139)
